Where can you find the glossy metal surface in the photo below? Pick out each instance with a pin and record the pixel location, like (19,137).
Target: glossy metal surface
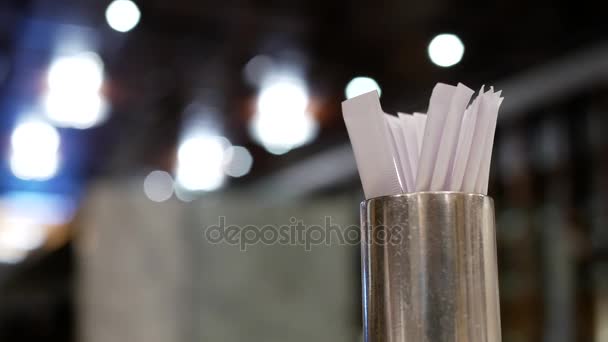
(429,268)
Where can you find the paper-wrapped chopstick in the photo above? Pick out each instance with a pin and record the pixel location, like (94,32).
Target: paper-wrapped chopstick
(370,139)
(448,149)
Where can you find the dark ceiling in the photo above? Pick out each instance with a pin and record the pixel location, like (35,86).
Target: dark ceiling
(193,52)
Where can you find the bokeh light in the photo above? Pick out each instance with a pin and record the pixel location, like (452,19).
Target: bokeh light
(34,151)
(200,161)
(122,15)
(10,255)
(282,122)
(257,69)
(238,161)
(29,220)
(78,73)
(84,111)
(184,195)
(446,50)
(21,234)
(158,186)
(74,98)
(361,85)
(284,96)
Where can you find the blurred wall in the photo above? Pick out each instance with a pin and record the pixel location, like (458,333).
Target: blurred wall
(147,272)
(133,269)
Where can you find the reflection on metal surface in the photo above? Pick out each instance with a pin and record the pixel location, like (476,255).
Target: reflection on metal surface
(429,268)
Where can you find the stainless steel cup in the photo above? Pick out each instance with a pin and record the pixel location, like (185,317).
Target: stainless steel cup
(429,268)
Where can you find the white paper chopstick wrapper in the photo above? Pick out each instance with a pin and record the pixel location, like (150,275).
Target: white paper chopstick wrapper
(483,124)
(405,169)
(370,138)
(450,131)
(420,119)
(408,130)
(439,106)
(449,149)
(484,177)
(463,148)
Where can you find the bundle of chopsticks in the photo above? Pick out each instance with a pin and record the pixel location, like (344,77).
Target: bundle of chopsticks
(447,149)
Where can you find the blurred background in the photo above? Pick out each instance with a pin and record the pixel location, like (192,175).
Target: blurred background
(128,128)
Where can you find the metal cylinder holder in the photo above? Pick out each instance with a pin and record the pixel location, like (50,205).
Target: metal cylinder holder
(429,268)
